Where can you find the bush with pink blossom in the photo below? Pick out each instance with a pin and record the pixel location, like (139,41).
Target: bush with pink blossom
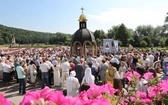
(99,95)
(4,101)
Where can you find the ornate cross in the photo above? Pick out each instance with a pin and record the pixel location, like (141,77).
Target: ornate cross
(82,9)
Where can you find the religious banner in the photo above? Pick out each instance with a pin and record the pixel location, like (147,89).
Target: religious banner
(115,45)
(107,45)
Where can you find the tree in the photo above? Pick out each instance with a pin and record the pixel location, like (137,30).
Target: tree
(112,32)
(123,35)
(99,35)
(145,30)
(143,43)
(162,42)
(137,39)
(5,37)
(147,39)
(166,42)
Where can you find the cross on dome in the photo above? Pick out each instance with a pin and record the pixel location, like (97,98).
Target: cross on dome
(82,9)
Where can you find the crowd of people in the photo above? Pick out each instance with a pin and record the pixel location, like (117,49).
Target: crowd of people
(74,73)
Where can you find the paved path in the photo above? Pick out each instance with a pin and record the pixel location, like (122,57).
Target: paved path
(11,91)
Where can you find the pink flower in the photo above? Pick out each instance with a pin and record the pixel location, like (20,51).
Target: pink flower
(83,96)
(40,101)
(148,75)
(140,94)
(153,91)
(99,101)
(132,98)
(95,94)
(74,100)
(123,103)
(59,99)
(4,101)
(163,86)
(145,101)
(107,88)
(38,96)
(94,91)
(131,75)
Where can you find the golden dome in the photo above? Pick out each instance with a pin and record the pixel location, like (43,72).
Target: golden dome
(82,18)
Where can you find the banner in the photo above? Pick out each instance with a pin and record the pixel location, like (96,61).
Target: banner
(115,45)
(107,45)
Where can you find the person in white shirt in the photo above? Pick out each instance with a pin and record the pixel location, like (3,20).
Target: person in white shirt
(99,60)
(142,84)
(50,72)
(44,69)
(72,84)
(145,62)
(65,66)
(12,70)
(151,59)
(6,72)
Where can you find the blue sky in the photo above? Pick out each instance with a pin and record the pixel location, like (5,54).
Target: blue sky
(62,15)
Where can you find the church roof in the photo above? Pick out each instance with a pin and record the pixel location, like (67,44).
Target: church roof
(82,35)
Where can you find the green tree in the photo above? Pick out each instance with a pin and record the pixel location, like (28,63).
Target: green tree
(123,35)
(147,39)
(5,37)
(166,42)
(136,40)
(145,30)
(112,32)
(143,43)
(99,36)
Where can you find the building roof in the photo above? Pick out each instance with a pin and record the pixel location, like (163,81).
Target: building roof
(82,35)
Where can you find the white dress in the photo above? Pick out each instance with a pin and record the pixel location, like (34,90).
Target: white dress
(88,77)
(57,75)
(32,76)
(72,85)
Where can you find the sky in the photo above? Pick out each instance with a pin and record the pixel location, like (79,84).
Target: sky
(62,15)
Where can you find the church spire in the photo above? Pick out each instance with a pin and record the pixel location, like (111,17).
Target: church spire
(82,20)
(82,9)
(82,17)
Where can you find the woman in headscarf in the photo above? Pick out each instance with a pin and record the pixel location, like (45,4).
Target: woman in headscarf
(88,77)
(72,84)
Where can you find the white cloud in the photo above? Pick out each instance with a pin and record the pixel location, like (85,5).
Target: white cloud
(129,16)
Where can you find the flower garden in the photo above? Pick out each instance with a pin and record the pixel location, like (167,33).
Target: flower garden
(157,94)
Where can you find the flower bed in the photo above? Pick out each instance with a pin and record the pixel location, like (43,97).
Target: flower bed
(96,95)
(99,95)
